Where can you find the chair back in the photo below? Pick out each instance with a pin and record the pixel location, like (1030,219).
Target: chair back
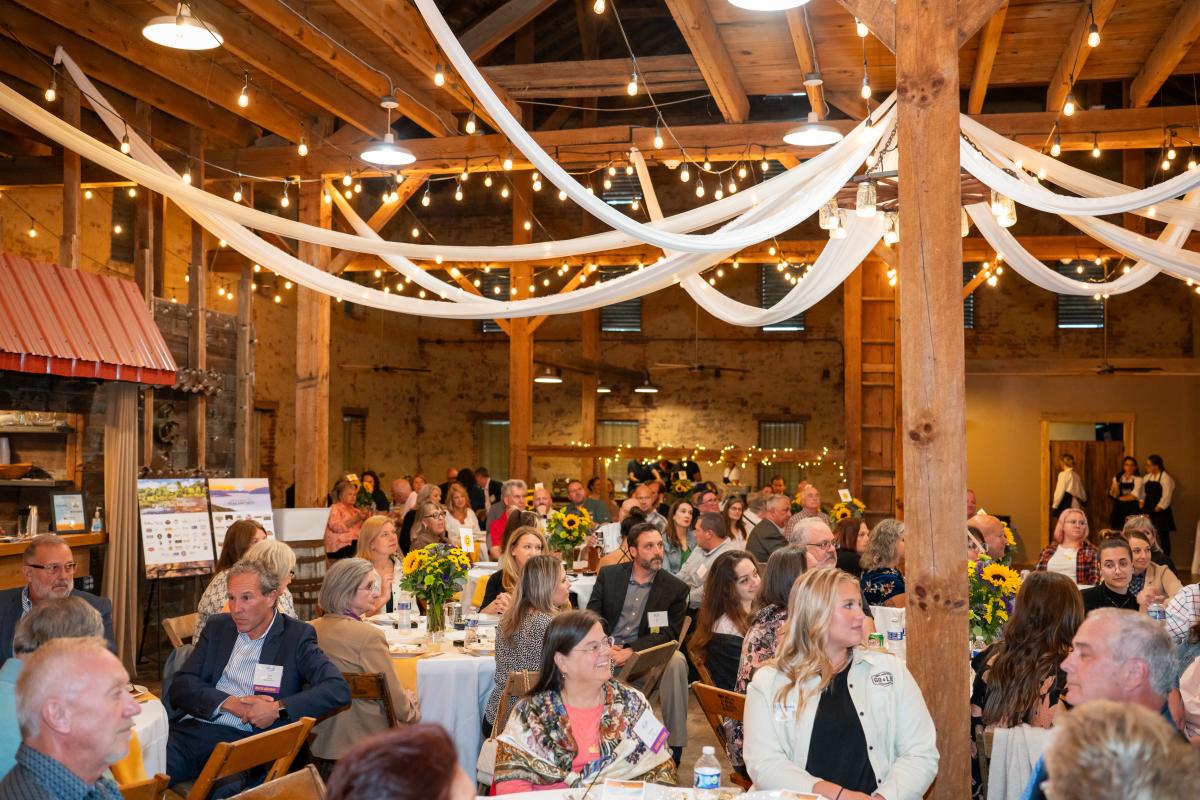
(372,686)
(150,789)
(180,629)
(719,705)
(304,596)
(699,661)
(303,784)
(277,747)
(518,685)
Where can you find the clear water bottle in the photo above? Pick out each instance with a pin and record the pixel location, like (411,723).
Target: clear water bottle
(403,611)
(707,775)
(896,639)
(1157,611)
(472,630)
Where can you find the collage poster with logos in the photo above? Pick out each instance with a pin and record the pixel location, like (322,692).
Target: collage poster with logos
(176,532)
(232,499)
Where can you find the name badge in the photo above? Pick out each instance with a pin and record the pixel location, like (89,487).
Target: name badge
(650,731)
(785,712)
(658,620)
(702,571)
(267,678)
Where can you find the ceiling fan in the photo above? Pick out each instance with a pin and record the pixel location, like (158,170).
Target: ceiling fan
(697,366)
(384,368)
(1105,368)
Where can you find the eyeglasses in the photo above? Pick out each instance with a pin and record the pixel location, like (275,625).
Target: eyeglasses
(592,649)
(55,569)
(826,545)
(438,515)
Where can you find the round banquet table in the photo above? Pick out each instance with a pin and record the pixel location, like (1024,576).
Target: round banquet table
(452,689)
(150,758)
(477,576)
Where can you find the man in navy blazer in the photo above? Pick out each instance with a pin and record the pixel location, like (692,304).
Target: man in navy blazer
(252,669)
(49,572)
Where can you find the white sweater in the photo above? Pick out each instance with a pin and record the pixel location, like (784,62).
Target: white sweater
(901,743)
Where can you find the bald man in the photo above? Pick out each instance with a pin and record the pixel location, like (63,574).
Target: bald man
(76,716)
(992,529)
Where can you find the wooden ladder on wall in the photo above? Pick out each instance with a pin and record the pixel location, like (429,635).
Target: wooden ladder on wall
(872,381)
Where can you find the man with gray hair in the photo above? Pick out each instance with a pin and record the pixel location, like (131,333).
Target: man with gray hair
(48,568)
(54,619)
(1116,655)
(252,669)
(767,536)
(816,537)
(75,716)
(512,498)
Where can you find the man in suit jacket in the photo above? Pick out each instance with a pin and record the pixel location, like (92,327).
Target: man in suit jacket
(767,536)
(252,669)
(643,605)
(49,571)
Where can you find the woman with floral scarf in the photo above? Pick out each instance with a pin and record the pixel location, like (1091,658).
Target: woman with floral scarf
(579,725)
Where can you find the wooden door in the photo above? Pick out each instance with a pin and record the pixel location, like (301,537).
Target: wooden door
(1096,463)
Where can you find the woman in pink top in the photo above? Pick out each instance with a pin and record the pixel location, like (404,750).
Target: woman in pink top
(345,520)
(579,726)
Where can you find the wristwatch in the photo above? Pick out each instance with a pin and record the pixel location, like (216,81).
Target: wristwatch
(283,712)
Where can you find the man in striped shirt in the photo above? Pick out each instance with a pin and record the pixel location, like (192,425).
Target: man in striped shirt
(252,669)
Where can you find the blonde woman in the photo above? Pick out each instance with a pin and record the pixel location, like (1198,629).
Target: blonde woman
(379,544)
(829,717)
(523,544)
(460,517)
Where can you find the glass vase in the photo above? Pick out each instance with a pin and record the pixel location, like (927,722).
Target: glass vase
(435,621)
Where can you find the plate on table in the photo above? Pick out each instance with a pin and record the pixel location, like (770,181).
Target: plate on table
(779,794)
(408,649)
(481,649)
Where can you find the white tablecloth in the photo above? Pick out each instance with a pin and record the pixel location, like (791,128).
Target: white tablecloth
(477,573)
(152,729)
(582,585)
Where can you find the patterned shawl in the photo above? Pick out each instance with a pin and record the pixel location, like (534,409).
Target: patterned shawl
(537,744)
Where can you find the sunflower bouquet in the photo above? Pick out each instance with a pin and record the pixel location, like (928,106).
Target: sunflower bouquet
(992,590)
(567,529)
(845,510)
(682,488)
(435,573)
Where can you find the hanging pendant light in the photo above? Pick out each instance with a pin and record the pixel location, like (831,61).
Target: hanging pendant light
(865,199)
(387,153)
(548,375)
(813,133)
(646,387)
(827,217)
(182,31)
(767,5)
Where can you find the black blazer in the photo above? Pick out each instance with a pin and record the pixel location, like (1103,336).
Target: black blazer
(10,615)
(765,539)
(311,685)
(667,593)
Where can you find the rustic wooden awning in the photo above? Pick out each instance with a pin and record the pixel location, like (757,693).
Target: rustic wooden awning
(59,321)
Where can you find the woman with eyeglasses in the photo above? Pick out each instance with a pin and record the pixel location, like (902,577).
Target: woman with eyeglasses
(428,493)
(1070,552)
(430,527)
(730,592)
(882,582)
(580,726)
(830,717)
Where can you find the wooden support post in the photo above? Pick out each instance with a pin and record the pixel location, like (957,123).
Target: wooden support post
(197,317)
(589,344)
(312,363)
(933,382)
(520,347)
(243,421)
(68,243)
(852,347)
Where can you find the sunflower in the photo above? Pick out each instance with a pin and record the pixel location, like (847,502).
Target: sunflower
(840,513)
(411,562)
(994,574)
(1009,539)
(570,522)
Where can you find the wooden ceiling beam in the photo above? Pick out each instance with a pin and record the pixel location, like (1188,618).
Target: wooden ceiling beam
(143,81)
(1076,51)
(699,29)
(1175,43)
(401,28)
(488,33)
(606,77)
(985,59)
(262,51)
(806,55)
(880,18)
(321,38)
(382,216)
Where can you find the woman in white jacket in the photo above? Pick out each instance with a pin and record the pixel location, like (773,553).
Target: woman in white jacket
(830,717)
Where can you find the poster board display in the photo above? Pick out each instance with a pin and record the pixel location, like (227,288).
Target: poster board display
(68,513)
(232,499)
(176,531)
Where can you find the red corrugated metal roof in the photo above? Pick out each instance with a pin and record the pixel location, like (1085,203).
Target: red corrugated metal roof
(60,321)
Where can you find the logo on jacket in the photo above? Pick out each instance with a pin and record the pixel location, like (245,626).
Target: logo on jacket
(882,679)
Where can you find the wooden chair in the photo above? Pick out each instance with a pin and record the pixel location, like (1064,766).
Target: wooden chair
(277,747)
(719,705)
(150,789)
(303,784)
(518,684)
(372,686)
(180,629)
(983,752)
(304,596)
(701,665)
(646,667)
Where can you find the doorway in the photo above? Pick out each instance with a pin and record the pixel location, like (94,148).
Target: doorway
(1098,442)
